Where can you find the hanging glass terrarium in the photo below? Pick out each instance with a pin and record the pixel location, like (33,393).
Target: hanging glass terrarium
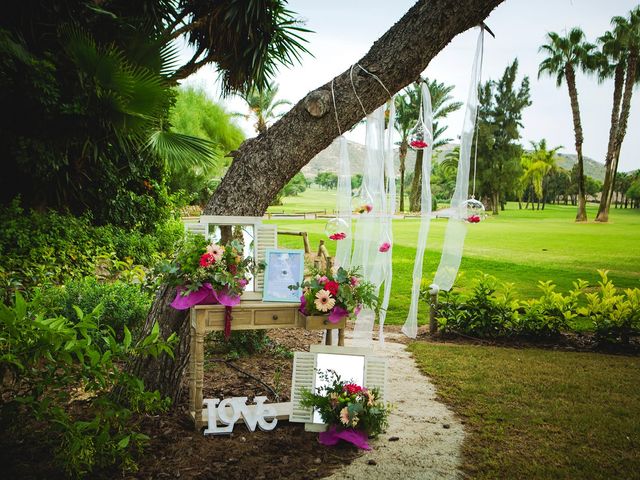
(472,211)
(364,201)
(336,229)
(419,135)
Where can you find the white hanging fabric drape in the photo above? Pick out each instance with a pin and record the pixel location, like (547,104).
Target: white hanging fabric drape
(410,327)
(368,230)
(389,209)
(456,226)
(343,247)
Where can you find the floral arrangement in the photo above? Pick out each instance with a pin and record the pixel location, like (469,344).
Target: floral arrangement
(199,263)
(339,293)
(473,219)
(352,412)
(365,208)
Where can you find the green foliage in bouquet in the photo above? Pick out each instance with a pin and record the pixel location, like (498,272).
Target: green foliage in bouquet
(199,262)
(339,291)
(347,405)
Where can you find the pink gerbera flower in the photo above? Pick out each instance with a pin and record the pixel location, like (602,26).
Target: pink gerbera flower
(323,301)
(384,247)
(344,416)
(216,250)
(206,260)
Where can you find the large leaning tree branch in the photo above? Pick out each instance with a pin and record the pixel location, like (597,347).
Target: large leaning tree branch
(263,165)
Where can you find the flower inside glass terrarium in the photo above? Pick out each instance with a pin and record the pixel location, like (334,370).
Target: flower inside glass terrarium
(364,201)
(336,229)
(419,135)
(472,211)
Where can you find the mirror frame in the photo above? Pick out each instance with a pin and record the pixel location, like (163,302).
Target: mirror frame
(256,222)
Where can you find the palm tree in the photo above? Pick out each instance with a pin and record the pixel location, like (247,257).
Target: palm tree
(538,164)
(262,105)
(442,105)
(619,54)
(407,111)
(564,56)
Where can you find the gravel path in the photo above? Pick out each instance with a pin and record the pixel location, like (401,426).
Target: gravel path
(424,437)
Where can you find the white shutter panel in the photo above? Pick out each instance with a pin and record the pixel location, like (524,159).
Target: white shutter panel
(375,374)
(303,377)
(195,227)
(267,238)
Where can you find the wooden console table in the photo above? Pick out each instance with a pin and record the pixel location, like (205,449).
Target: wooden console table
(248,315)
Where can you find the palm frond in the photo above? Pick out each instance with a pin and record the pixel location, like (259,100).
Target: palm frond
(181,152)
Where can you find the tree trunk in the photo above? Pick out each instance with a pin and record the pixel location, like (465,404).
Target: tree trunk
(264,164)
(607,185)
(632,65)
(403,156)
(495,202)
(416,183)
(581,216)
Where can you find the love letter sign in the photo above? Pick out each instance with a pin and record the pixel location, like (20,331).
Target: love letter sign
(229,411)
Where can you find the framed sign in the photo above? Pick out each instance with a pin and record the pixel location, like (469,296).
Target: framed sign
(283,268)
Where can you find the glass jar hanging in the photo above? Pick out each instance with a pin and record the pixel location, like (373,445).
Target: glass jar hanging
(419,135)
(336,229)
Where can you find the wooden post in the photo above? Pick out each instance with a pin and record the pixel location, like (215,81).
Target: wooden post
(305,240)
(433,309)
(329,337)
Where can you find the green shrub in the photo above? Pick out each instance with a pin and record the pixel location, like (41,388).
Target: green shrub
(123,304)
(240,343)
(615,314)
(483,314)
(49,362)
(50,248)
(551,314)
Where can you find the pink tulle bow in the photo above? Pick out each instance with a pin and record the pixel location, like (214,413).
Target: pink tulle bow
(206,295)
(333,436)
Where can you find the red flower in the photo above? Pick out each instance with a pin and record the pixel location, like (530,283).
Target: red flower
(207,259)
(338,236)
(419,144)
(233,269)
(473,219)
(352,388)
(332,287)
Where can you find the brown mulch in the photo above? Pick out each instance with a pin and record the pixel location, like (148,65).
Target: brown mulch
(176,450)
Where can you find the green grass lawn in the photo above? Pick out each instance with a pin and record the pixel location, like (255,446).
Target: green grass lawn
(517,246)
(539,414)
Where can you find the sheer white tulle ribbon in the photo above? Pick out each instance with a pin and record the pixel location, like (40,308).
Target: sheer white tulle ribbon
(456,226)
(368,233)
(410,327)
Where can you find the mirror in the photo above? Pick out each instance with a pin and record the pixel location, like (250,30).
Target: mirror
(349,367)
(245,234)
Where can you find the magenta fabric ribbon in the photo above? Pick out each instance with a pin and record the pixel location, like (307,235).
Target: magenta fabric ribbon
(206,295)
(334,435)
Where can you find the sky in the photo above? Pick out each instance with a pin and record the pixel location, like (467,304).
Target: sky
(345,30)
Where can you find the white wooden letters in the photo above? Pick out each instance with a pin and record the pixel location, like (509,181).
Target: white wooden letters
(229,410)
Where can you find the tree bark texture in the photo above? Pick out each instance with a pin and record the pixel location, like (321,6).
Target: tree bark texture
(607,185)
(264,164)
(416,184)
(581,216)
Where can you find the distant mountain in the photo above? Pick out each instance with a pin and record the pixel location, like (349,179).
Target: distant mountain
(327,160)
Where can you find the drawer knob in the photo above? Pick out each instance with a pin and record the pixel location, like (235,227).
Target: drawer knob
(275,317)
(325,322)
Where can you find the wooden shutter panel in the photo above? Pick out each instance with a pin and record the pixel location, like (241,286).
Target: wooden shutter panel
(303,377)
(267,238)
(375,374)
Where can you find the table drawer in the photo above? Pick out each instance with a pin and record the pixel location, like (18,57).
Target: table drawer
(240,317)
(275,317)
